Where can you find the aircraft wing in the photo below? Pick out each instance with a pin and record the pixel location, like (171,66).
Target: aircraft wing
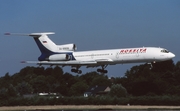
(72,63)
(62,63)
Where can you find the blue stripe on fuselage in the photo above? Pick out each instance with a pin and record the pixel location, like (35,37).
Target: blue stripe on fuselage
(45,53)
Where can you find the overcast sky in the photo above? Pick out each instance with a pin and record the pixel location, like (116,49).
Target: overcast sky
(90,24)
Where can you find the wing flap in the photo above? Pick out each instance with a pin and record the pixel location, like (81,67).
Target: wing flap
(103,60)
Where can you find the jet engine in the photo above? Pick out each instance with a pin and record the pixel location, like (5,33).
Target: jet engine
(59,57)
(67,47)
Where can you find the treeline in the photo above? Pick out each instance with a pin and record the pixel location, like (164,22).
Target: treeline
(158,84)
(168,100)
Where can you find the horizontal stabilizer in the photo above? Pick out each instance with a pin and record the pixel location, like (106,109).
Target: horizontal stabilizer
(31,34)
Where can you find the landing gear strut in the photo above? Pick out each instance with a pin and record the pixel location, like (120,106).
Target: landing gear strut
(102,70)
(76,70)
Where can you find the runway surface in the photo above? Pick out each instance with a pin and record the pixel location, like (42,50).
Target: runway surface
(90,108)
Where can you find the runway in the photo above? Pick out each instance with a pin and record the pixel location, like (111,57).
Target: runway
(90,108)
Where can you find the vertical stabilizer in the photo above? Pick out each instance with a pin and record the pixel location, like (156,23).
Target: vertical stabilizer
(46,46)
(44,43)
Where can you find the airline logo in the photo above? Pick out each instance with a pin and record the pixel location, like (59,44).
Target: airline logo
(131,51)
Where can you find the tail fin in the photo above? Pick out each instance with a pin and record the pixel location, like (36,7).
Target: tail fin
(46,46)
(44,43)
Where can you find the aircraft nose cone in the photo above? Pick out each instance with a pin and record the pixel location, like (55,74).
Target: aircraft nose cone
(172,55)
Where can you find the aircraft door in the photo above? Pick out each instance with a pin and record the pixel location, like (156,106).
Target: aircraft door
(92,56)
(117,55)
(137,54)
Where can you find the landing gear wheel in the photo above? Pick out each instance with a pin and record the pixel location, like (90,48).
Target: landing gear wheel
(99,70)
(105,71)
(79,71)
(76,70)
(102,71)
(73,70)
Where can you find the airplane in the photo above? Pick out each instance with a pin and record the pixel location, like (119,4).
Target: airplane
(66,55)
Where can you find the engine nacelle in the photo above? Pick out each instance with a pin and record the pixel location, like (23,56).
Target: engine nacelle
(59,57)
(67,47)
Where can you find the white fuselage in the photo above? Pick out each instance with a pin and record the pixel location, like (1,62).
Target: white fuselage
(128,55)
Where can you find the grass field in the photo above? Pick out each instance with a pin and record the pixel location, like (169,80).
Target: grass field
(81,107)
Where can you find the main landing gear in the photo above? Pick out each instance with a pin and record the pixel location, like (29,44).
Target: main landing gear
(76,70)
(102,70)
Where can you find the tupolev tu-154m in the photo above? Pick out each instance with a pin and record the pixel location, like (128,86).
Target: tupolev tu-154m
(66,55)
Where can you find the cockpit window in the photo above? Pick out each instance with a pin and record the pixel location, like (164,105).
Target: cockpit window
(165,51)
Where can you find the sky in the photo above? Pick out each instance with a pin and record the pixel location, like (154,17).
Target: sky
(90,24)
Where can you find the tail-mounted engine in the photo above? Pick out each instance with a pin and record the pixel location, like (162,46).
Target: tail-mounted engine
(67,47)
(59,57)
